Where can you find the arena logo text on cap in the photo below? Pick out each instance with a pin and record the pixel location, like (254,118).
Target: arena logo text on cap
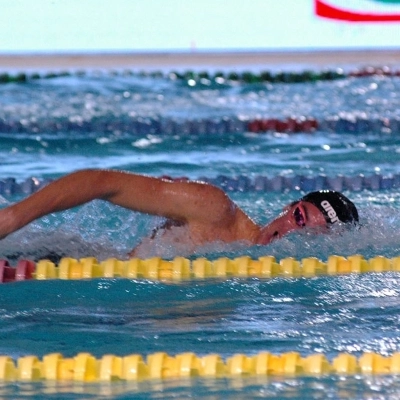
(330,211)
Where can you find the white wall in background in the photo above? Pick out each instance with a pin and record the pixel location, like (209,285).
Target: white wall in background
(181,25)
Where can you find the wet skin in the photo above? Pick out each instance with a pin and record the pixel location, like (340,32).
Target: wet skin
(197,213)
(294,217)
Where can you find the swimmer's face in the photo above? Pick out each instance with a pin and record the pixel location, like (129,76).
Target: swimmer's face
(295,216)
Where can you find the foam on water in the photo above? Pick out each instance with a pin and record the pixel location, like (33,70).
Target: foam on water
(89,97)
(352,313)
(103,230)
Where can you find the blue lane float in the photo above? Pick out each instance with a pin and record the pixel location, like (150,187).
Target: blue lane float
(260,183)
(206,126)
(243,183)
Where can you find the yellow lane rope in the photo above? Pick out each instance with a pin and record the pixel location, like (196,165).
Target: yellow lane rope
(85,367)
(201,268)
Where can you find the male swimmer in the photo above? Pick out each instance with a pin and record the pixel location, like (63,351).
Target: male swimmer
(197,213)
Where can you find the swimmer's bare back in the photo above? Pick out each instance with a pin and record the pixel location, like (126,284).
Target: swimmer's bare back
(204,211)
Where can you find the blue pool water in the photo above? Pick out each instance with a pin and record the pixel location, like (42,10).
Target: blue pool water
(351,314)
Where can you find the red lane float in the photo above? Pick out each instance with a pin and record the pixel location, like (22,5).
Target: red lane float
(290,125)
(7,273)
(24,270)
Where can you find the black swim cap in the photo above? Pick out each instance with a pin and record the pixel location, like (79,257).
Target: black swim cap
(333,205)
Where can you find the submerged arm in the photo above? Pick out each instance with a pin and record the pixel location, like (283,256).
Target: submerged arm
(186,201)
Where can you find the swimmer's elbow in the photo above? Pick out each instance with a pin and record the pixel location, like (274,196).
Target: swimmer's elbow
(101,183)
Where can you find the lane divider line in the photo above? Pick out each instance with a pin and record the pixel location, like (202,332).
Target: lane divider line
(192,77)
(84,367)
(244,183)
(180,268)
(341,123)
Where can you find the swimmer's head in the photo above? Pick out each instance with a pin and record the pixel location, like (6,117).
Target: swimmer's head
(333,205)
(317,210)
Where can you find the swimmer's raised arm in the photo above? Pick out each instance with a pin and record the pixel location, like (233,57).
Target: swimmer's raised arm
(185,201)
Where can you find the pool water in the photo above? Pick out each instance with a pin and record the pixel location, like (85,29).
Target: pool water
(52,127)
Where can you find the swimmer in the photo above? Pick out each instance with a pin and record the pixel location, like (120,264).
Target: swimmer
(197,213)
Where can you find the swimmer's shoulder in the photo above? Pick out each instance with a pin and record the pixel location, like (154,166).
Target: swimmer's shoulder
(201,203)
